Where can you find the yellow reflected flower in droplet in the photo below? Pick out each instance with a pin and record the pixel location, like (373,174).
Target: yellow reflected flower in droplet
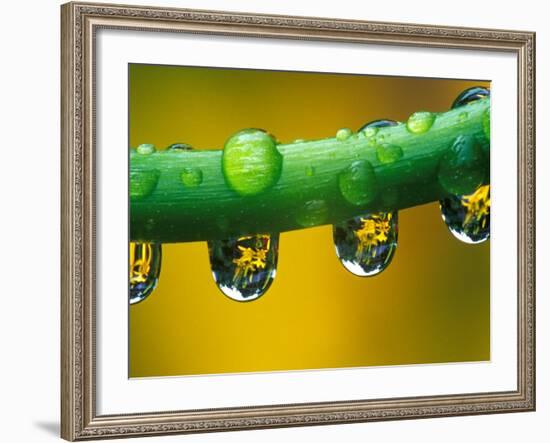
(251,260)
(373,232)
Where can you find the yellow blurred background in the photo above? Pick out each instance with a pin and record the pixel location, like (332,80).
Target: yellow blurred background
(431,305)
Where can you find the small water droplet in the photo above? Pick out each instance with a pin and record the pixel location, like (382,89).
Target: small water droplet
(178,147)
(146,149)
(145,261)
(462,116)
(461,169)
(244,267)
(191,177)
(251,162)
(343,134)
(310,171)
(468,217)
(366,244)
(313,213)
(388,153)
(420,122)
(371,128)
(470,95)
(369,131)
(143,182)
(357,183)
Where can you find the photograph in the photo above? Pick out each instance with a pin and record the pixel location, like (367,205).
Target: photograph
(284,220)
(281,220)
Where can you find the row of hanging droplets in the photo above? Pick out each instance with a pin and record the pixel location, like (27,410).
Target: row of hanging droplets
(244,267)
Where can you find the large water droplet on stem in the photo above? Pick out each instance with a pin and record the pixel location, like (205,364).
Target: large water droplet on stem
(244,267)
(366,244)
(145,261)
(357,183)
(251,162)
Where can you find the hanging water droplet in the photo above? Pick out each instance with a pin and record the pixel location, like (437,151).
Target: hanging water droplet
(343,134)
(191,177)
(470,95)
(178,147)
(420,122)
(366,244)
(145,261)
(251,162)
(468,217)
(461,168)
(244,267)
(143,182)
(357,183)
(146,149)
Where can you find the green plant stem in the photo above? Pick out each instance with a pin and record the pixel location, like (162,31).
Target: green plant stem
(174,212)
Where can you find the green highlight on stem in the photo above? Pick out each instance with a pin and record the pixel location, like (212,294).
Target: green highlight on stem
(255,185)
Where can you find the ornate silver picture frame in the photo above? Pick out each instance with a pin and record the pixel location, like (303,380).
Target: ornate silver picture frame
(79,388)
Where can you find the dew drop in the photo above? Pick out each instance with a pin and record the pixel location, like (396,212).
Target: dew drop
(371,128)
(369,131)
(343,134)
(145,261)
(468,217)
(470,95)
(191,177)
(179,147)
(462,116)
(146,149)
(388,153)
(366,244)
(310,171)
(461,168)
(251,162)
(143,182)
(420,122)
(313,213)
(244,267)
(357,183)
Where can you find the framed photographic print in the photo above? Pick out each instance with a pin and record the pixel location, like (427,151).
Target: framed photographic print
(281,221)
